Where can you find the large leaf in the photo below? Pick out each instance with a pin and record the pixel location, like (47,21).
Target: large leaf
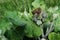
(15,18)
(54,36)
(32,30)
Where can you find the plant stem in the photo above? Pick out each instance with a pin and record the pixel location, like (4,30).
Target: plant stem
(38,38)
(51,28)
(42,30)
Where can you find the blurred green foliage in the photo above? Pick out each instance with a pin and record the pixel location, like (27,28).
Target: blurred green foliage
(13,15)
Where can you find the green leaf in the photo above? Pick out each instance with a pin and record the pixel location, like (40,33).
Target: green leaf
(32,30)
(5,25)
(15,17)
(57,24)
(36,3)
(54,36)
